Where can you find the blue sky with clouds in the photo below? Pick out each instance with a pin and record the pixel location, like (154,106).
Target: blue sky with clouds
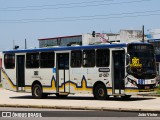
(34,19)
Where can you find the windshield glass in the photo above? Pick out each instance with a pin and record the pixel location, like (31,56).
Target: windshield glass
(145,60)
(142,64)
(142,60)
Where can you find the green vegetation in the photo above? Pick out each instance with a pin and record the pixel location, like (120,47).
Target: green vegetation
(158,90)
(0,85)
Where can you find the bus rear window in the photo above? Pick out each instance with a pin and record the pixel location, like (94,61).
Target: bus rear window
(9,61)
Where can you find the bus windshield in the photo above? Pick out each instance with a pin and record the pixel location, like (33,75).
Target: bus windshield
(142,61)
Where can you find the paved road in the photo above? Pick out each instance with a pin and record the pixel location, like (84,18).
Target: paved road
(65,113)
(136,103)
(70,114)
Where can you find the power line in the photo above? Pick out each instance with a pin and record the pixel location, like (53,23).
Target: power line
(86,19)
(88,16)
(94,17)
(66,7)
(57,4)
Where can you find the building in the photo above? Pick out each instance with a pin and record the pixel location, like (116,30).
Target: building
(84,39)
(60,41)
(125,36)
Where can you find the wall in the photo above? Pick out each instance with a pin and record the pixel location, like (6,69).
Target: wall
(127,36)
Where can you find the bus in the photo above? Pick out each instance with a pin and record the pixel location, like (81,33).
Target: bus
(103,70)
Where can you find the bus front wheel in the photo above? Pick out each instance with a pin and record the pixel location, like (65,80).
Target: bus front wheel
(100,92)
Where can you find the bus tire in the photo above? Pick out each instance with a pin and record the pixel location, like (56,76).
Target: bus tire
(100,92)
(37,91)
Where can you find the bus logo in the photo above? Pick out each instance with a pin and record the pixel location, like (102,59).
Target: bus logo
(6,114)
(135,62)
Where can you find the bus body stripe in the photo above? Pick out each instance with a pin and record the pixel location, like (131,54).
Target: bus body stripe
(83,86)
(8,78)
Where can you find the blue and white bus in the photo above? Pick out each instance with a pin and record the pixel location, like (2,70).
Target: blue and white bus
(102,70)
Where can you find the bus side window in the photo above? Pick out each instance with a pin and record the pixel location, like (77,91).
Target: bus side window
(9,61)
(76,58)
(47,59)
(102,57)
(88,58)
(32,60)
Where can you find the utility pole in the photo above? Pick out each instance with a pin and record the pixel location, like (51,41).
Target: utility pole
(25,44)
(13,45)
(143,33)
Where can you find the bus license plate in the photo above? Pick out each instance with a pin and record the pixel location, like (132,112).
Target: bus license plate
(147,87)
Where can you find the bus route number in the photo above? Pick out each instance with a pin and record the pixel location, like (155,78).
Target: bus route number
(135,62)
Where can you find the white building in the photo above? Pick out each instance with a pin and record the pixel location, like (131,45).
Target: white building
(83,39)
(127,36)
(154,34)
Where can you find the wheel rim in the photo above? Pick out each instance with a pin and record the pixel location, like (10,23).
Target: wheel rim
(101,92)
(37,91)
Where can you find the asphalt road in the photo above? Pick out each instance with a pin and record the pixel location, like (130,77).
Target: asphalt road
(80,102)
(48,114)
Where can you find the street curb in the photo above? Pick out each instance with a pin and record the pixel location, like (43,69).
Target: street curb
(80,108)
(153,95)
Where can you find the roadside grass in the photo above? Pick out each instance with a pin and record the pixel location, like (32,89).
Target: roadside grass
(158,90)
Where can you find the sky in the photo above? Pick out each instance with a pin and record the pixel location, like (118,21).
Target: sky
(36,19)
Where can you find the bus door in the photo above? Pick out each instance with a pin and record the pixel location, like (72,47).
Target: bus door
(62,75)
(20,74)
(118,71)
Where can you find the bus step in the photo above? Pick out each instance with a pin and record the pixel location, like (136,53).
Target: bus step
(63,93)
(118,94)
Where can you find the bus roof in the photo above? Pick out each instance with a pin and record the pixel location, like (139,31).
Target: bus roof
(62,48)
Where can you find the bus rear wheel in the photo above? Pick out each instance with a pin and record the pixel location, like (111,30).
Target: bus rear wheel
(37,91)
(100,92)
